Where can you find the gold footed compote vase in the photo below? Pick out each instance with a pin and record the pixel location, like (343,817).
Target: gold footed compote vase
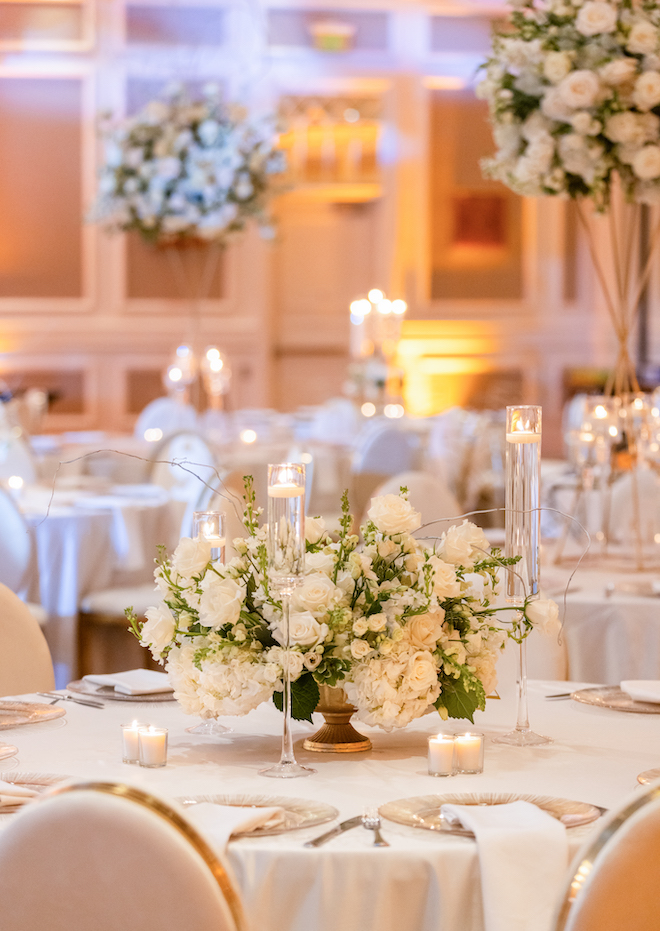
(337,734)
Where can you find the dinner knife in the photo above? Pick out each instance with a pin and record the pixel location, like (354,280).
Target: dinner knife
(335,832)
(78,701)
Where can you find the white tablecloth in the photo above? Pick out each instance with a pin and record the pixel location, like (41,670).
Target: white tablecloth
(423,882)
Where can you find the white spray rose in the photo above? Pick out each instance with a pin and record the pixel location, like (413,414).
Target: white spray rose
(646,94)
(295,659)
(320,562)
(596,18)
(314,529)
(360,649)
(425,629)
(445,583)
(643,38)
(579,88)
(304,630)
(556,66)
(646,163)
(158,629)
(619,71)
(544,615)
(221,601)
(190,557)
(393,514)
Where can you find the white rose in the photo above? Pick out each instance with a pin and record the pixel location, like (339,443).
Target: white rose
(579,88)
(464,543)
(295,660)
(377,622)
(316,594)
(643,38)
(311,660)
(618,71)
(314,529)
(421,672)
(596,18)
(425,629)
(393,514)
(543,613)
(624,128)
(647,90)
(556,66)
(320,562)
(582,122)
(191,557)
(445,583)
(360,627)
(360,649)
(158,630)
(646,163)
(304,630)
(555,107)
(221,601)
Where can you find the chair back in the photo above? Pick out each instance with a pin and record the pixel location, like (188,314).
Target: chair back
(16,547)
(386,450)
(16,458)
(181,464)
(428,495)
(614,878)
(25,663)
(104,856)
(167,415)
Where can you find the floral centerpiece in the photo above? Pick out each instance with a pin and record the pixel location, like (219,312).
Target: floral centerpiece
(186,169)
(400,626)
(574,95)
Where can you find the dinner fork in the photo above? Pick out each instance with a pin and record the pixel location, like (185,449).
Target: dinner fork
(55,697)
(371,821)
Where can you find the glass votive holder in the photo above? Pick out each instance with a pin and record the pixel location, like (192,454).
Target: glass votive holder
(129,741)
(469,752)
(152,746)
(441,755)
(210,526)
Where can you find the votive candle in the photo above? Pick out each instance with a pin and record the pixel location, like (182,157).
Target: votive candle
(441,755)
(469,753)
(129,737)
(152,745)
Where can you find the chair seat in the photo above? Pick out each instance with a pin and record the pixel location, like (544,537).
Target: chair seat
(114,601)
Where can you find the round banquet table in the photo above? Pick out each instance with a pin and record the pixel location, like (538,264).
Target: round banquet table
(423,881)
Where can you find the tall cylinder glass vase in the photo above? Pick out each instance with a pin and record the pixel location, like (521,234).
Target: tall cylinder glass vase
(286,563)
(523,536)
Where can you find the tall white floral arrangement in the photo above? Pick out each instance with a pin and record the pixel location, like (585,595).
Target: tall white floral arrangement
(401,626)
(573,89)
(187,169)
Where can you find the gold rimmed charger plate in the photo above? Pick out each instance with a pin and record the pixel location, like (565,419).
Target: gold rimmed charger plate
(37,781)
(424,811)
(299,813)
(107,691)
(17,713)
(611,696)
(648,776)
(7,751)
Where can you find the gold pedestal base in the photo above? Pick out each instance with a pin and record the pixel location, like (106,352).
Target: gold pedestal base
(337,734)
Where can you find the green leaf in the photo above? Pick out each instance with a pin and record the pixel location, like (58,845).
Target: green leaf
(304,698)
(459,702)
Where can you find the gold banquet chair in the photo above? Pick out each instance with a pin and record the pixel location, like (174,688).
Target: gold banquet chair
(25,662)
(615,877)
(103,856)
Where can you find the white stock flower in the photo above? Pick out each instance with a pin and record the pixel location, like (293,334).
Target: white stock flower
(221,601)
(393,514)
(643,38)
(646,94)
(314,529)
(556,66)
(425,629)
(158,630)
(596,18)
(316,594)
(190,557)
(618,71)
(579,89)
(304,630)
(646,163)
(544,613)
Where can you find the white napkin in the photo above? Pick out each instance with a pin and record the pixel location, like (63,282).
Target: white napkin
(134,681)
(12,795)
(523,855)
(221,822)
(642,689)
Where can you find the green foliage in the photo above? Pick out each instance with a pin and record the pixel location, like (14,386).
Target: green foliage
(304,698)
